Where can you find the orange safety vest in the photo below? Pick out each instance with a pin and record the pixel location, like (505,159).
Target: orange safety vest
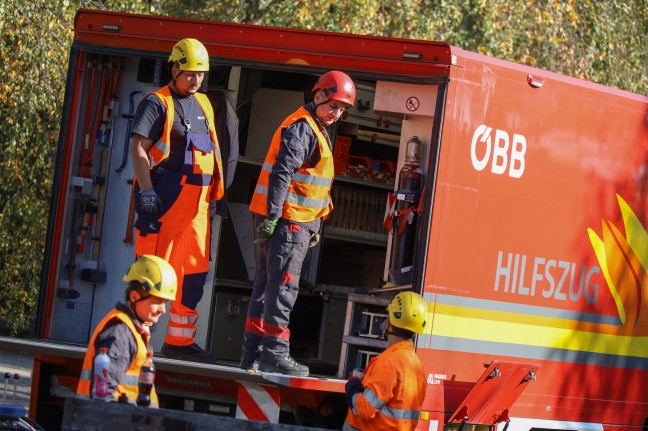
(394,390)
(309,192)
(128,383)
(161,149)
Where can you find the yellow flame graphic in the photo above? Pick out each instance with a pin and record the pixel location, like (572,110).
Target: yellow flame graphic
(624,263)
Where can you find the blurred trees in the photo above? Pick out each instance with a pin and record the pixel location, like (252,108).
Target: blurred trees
(601,41)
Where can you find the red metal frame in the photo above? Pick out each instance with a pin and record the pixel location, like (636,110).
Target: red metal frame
(401,57)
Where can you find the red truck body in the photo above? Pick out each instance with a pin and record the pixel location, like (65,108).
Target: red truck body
(531,246)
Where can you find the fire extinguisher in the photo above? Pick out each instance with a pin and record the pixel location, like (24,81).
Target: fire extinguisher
(408,194)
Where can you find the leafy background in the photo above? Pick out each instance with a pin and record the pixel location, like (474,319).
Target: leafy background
(601,41)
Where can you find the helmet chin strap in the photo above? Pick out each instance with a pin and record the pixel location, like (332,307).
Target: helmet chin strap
(385,327)
(132,306)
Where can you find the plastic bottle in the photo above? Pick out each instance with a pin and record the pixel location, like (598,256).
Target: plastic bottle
(101,366)
(146,380)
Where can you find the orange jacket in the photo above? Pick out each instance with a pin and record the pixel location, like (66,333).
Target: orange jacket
(161,149)
(394,390)
(128,384)
(308,195)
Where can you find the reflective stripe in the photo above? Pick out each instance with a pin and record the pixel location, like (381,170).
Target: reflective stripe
(308,202)
(380,405)
(179,331)
(303,178)
(296,199)
(373,399)
(348,427)
(85,375)
(130,380)
(261,189)
(313,180)
(411,415)
(185,320)
(163,147)
(354,401)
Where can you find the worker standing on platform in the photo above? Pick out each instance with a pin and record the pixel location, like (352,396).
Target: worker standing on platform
(178,171)
(291,199)
(123,334)
(389,394)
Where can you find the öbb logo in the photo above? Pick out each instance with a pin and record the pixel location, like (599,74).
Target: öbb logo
(499,149)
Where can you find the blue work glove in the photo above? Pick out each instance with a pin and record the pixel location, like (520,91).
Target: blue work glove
(150,202)
(352,387)
(266,228)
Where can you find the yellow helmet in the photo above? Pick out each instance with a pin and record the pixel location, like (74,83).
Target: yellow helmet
(156,275)
(191,55)
(408,310)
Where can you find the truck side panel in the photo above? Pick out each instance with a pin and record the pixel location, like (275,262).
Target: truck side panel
(537,248)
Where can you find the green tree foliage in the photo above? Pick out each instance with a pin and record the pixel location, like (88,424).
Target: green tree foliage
(33,76)
(597,40)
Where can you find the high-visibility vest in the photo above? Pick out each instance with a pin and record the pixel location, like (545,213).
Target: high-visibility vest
(394,390)
(162,148)
(309,192)
(128,383)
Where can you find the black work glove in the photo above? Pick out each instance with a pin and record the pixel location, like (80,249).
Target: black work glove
(352,387)
(150,202)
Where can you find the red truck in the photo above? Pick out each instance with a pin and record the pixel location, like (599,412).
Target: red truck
(526,233)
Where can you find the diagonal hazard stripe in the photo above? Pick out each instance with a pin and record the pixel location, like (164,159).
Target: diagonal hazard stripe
(257,402)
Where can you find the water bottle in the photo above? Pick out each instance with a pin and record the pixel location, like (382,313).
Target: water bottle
(101,366)
(145,383)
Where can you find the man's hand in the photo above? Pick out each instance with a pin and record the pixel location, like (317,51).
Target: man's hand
(266,228)
(357,373)
(352,387)
(150,202)
(213,206)
(314,239)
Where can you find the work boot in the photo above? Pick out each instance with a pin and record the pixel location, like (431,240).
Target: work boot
(250,366)
(192,352)
(284,365)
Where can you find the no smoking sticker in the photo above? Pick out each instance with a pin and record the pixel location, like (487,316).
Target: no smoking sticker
(412,104)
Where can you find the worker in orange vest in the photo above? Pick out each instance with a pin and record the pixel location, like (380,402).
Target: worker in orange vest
(388,395)
(178,172)
(124,332)
(291,198)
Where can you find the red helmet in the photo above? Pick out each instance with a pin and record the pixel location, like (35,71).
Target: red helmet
(337,85)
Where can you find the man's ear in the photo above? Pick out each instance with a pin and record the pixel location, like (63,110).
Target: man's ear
(134,296)
(319,97)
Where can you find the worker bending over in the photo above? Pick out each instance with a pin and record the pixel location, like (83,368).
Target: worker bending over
(388,395)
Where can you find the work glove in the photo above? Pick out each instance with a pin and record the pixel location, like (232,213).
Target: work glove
(266,228)
(213,206)
(353,386)
(150,202)
(314,239)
